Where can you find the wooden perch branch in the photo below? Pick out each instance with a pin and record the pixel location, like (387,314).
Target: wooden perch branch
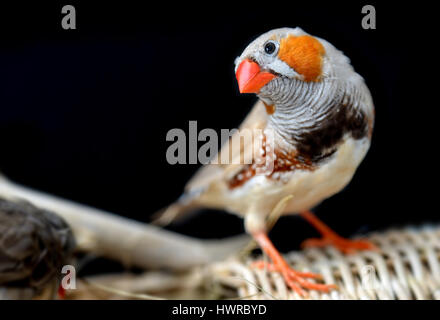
(131,242)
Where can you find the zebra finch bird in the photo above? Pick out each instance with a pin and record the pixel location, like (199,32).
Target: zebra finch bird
(319,115)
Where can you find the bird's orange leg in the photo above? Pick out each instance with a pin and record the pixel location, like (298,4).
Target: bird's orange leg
(329,237)
(61,292)
(294,279)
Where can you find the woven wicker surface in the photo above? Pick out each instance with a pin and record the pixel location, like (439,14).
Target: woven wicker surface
(406,267)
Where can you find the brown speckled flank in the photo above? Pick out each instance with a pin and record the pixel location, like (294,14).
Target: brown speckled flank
(312,146)
(283,162)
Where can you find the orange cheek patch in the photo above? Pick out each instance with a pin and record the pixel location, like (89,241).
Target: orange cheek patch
(303,54)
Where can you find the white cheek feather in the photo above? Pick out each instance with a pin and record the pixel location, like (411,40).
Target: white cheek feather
(283,68)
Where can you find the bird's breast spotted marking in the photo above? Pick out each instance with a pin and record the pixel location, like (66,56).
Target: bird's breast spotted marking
(303,54)
(282,162)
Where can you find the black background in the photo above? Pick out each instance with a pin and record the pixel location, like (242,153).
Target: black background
(85,112)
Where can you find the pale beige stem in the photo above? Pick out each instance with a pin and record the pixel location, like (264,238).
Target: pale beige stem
(131,242)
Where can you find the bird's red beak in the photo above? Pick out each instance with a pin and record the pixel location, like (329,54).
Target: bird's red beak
(250,78)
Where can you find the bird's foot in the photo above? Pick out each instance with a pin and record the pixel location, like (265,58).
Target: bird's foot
(296,280)
(331,238)
(344,245)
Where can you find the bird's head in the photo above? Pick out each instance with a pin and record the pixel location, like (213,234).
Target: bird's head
(287,54)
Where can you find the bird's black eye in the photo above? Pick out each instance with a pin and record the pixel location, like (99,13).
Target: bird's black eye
(270,47)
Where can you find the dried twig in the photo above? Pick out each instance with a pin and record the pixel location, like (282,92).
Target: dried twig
(133,243)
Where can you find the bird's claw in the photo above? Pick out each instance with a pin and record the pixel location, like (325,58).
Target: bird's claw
(294,279)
